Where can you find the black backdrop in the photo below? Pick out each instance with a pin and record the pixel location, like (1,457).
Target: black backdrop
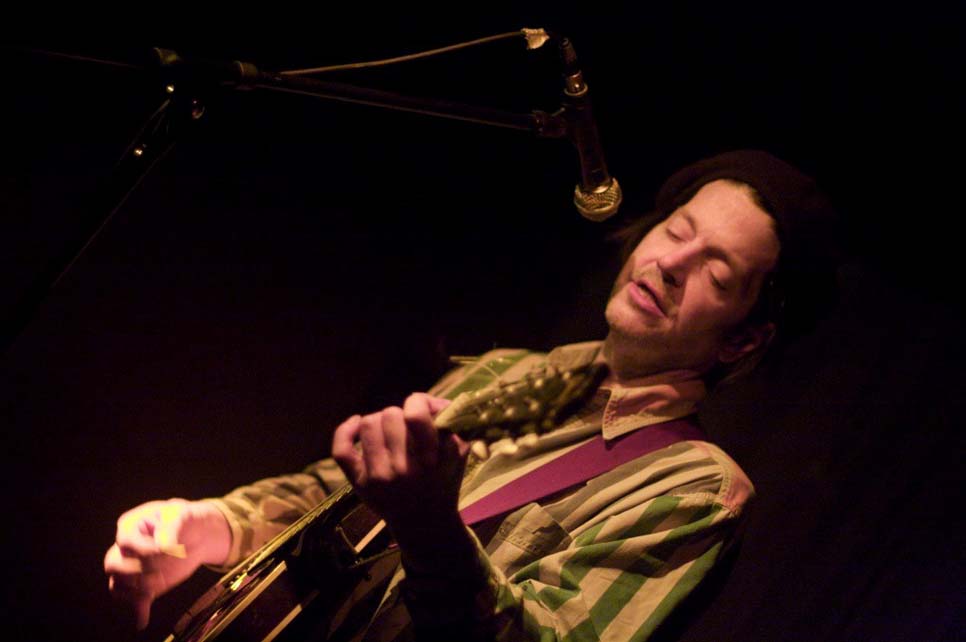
(294,261)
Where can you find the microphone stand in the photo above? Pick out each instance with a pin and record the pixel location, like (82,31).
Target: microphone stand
(184,81)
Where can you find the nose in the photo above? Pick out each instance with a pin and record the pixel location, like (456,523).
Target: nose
(676,262)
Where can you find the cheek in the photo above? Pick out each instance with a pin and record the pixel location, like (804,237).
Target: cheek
(702,307)
(649,249)
(623,276)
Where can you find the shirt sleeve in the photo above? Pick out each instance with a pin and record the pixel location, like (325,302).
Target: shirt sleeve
(258,512)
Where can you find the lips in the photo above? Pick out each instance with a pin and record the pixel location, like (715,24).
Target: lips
(645,298)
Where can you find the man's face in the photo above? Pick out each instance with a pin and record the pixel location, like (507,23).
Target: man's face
(690,283)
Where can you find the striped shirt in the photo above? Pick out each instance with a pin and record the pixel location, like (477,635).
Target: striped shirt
(607,561)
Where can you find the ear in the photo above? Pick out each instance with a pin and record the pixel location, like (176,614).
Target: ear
(745,341)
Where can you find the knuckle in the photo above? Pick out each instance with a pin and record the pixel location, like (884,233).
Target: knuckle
(401,467)
(112,559)
(379,480)
(416,412)
(341,456)
(348,424)
(416,398)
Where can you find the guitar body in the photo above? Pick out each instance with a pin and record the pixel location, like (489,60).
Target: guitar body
(321,579)
(324,577)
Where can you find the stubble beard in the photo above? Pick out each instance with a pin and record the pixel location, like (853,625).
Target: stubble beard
(631,354)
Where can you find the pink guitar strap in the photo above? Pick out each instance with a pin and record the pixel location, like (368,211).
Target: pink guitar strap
(580,464)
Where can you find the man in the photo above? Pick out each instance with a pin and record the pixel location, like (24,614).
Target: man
(737,254)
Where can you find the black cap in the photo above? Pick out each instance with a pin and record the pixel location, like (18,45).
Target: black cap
(806,222)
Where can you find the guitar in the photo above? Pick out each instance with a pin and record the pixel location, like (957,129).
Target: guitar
(322,577)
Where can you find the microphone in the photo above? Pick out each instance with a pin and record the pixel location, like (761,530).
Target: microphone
(598,195)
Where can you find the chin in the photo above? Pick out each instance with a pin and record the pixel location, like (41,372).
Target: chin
(629,321)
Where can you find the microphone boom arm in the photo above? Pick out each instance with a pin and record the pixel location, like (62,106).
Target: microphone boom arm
(597,195)
(158,136)
(246,76)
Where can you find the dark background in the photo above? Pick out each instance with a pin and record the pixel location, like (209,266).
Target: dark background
(293,261)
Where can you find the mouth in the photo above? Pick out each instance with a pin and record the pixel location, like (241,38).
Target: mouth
(644,296)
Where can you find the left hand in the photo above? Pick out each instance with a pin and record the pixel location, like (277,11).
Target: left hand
(406,471)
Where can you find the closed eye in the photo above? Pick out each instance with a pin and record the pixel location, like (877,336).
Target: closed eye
(676,231)
(720,275)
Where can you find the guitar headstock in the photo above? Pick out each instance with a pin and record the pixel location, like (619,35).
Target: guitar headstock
(535,404)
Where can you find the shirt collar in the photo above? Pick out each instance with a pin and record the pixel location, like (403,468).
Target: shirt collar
(639,402)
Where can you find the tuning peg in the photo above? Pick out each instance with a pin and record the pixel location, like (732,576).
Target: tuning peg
(480,450)
(505,447)
(528,441)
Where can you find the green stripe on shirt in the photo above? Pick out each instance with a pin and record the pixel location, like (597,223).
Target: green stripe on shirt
(697,571)
(629,582)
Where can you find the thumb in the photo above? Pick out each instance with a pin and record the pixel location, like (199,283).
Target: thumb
(344,449)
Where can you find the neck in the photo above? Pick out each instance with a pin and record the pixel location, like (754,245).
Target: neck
(632,362)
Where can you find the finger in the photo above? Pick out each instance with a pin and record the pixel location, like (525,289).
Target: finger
(142,610)
(115,562)
(127,588)
(395,433)
(452,459)
(425,438)
(421,407)
(452,448)
(463,447)
(127,583)
(344,450)
(135,532)
(375,455)
(437,403)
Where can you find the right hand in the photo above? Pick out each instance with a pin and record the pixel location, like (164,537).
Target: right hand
(159,545)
